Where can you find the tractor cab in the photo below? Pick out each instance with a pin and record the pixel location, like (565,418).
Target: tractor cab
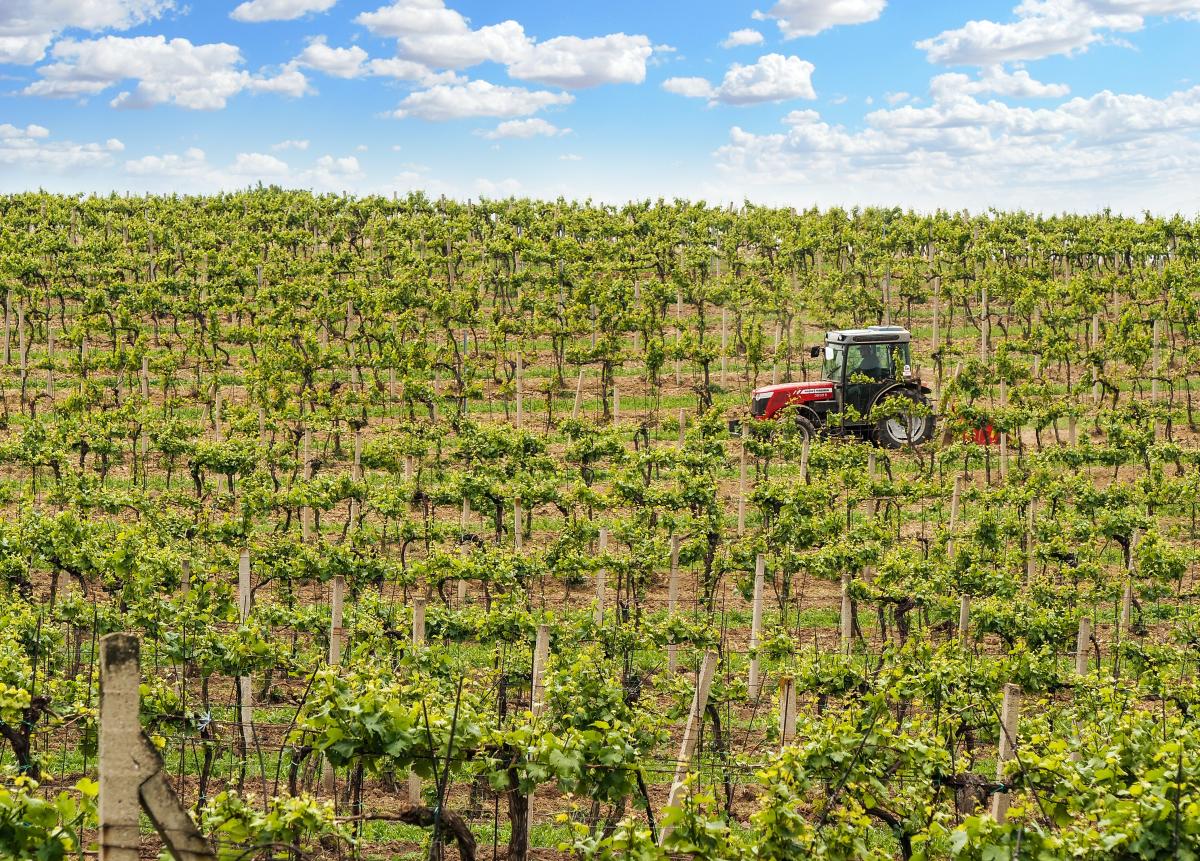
(860,368)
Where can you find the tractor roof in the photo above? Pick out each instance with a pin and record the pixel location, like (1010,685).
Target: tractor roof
(870,335)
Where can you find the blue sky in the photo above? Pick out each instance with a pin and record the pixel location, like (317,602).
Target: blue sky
(1037,104)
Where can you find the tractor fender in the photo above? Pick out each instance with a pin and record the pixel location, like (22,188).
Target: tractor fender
(810,414)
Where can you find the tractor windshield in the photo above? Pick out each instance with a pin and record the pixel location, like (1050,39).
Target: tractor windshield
(835,361)
(879,362)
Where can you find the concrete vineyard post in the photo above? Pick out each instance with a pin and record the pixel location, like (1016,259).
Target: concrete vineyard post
(418,641)
(336,602)
(691,733)
(185,576)
(964,620)
(1030,545)
(753,682)
(145,377)
(246,692)
(805,447)
(541,654)
(787,710)
(682,428)
(1095,342)
(1072,431)
(120,677)
(672,599)
(616,419)
(1009,715)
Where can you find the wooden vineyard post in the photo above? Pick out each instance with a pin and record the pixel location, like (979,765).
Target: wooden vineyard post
(1009,715)
(356,476)
(753,682)
(518,525)
(578,396)
(120,676)
(1030,542)
(682,428)
(131,769)
(245,690)
(672,599)
(691,733)
(741,524)
(601,578)
(418,642)
(520,390)
(49,354)
(1127,593)
(955,498)
(1003,435)
(724,344)
(787,710)
(1082,639)
(616,415)
(847,617)
(306,470)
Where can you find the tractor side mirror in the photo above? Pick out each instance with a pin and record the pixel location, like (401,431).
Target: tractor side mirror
(814,352)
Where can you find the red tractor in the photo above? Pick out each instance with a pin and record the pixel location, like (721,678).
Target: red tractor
(861,368)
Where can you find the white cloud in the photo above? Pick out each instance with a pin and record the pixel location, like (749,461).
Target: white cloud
(477,99)
(339,62)
(192,164)
(30,149)
(27,27)
(896,98)
(570,156)
(331,173)
(290,144)
(1013,85)
(525,129)
(692,88)
(810,17)
(255,11)
(568,61)
(960,151)
(738,38)
(1046,27)
(773,78)
(430,34)
(503,188)
(200,77)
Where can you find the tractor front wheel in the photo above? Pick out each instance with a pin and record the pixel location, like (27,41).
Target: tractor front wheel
(901,430)
(806,429)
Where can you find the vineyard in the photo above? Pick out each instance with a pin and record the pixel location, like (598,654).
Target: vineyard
(442,530)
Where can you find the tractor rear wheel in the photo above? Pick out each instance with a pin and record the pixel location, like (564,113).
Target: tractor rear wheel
(902,430)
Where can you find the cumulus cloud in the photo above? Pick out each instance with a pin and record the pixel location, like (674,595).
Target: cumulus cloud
(738,38)
(31,149)
(773,78)
(290,144)
(255,11)
(477,99)
(502,188)
(961,151)
(536,127)
(1046,27)
(339,62)
(27,27)
(1013,85)
(430,34)
(810,17)
(199,77)
(568,61)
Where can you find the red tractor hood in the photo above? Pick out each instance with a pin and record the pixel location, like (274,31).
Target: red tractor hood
(768,400)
